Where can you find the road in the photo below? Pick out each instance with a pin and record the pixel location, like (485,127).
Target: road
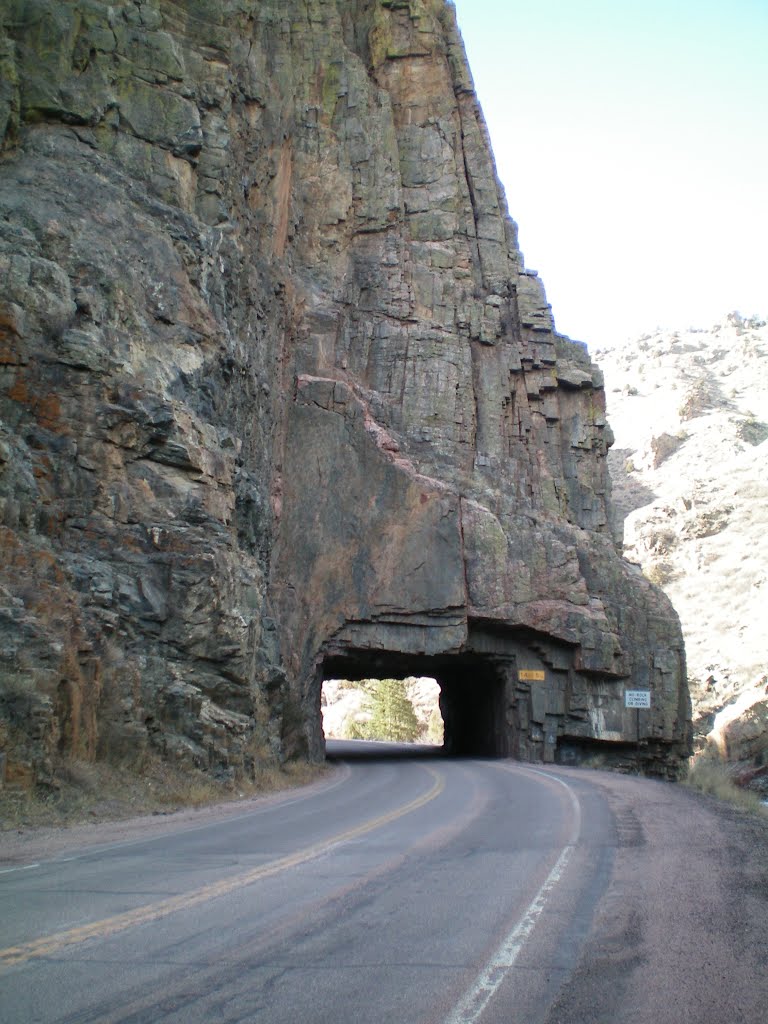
(405,890)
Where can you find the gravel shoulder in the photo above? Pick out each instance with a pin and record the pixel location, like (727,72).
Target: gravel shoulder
(682,933)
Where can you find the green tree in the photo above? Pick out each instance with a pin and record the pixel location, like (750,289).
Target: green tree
(391,713)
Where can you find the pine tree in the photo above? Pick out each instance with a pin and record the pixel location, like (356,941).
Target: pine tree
(392,714)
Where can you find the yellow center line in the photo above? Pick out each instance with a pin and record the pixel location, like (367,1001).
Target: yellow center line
(51,944)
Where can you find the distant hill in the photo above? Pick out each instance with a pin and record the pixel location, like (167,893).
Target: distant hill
(689,410)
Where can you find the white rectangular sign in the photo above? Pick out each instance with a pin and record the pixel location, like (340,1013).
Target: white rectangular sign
(637,698)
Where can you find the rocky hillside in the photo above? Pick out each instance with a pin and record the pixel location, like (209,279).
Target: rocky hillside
(689,410)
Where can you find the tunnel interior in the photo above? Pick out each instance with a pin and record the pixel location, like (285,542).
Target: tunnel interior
(472,693)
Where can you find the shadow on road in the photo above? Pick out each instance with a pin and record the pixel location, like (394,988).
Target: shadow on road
(374,750)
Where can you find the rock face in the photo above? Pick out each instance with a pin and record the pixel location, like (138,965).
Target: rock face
(280,401)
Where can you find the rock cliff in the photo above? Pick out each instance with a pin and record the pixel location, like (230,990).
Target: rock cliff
(279,400)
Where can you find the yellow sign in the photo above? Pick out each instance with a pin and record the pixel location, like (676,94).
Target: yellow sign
(531,675)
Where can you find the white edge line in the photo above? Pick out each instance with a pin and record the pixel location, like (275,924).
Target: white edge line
(471,1007)
(23,867)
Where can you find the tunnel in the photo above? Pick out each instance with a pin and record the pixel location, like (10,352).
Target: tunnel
(472,693)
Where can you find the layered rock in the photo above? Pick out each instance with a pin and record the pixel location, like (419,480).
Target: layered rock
(277,394)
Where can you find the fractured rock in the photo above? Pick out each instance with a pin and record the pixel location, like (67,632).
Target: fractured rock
(279,399)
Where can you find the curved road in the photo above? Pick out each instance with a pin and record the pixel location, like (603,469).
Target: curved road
(405,890)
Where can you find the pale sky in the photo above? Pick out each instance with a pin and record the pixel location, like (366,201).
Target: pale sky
(632,142)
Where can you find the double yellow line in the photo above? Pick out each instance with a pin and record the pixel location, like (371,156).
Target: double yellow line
(49,945)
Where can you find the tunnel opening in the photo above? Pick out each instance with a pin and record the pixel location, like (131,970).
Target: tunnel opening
(395,710)
(472,701)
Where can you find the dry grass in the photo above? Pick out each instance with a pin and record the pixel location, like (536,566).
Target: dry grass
(100,792)
(708,774)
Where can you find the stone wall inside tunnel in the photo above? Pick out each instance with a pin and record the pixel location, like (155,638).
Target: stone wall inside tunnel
(276,387)
(472,694)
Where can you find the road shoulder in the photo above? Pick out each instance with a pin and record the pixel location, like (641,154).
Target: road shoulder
(682,931)
(27,845)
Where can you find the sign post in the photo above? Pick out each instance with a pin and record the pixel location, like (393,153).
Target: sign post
(637,699)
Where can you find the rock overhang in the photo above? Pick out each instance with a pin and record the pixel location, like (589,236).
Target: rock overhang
(414,578)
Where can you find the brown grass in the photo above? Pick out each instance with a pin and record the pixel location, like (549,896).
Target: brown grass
(709,774)
(100,792)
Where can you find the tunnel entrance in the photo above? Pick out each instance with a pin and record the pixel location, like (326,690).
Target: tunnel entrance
(394,710)
(473,698)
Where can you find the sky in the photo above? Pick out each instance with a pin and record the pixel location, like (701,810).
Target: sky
(631,137)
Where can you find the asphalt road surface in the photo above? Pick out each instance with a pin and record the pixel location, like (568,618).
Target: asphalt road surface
(405,890)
